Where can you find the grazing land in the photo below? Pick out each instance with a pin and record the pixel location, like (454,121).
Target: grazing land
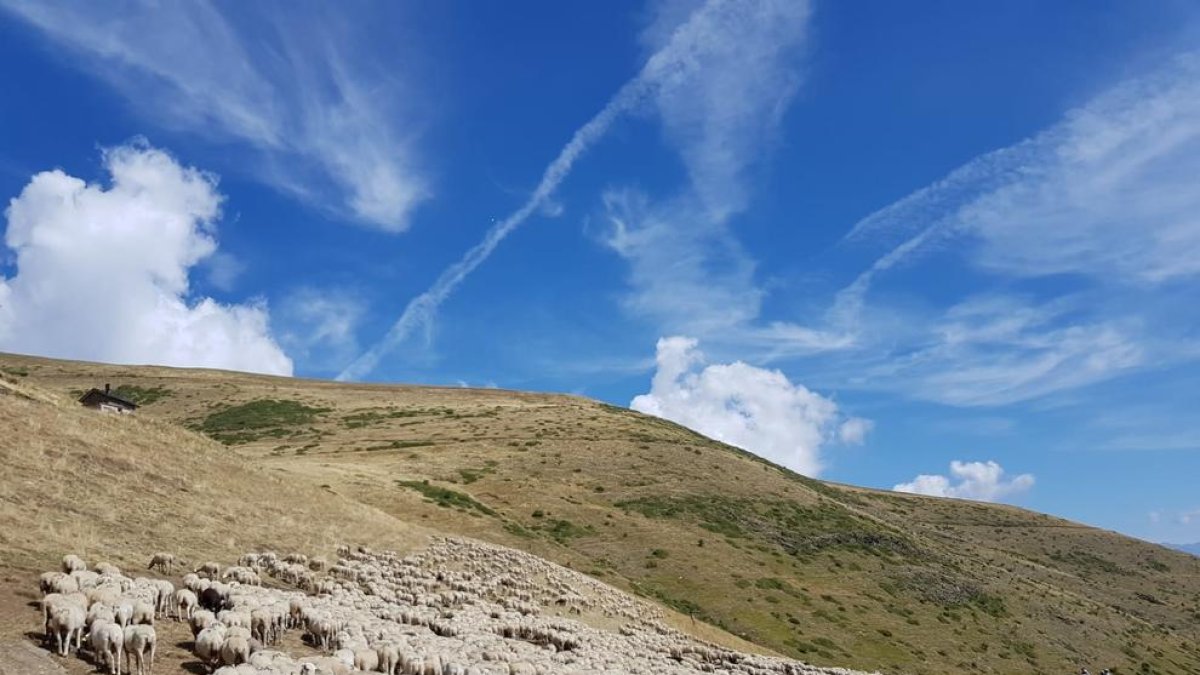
(745,553)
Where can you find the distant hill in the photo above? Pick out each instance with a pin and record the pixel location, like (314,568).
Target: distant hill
(1194,549)
(831,574)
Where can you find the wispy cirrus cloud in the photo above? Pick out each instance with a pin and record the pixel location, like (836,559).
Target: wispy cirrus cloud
(999,349)
(319,326)
(1105,198)
(1105,193)
(323,120)
(688,272)
(682,53)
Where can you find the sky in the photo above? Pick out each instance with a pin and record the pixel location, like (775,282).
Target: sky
(938,247)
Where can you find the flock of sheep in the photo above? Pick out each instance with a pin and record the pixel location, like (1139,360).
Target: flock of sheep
(459,607)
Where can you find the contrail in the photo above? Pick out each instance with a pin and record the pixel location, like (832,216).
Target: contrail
(674,61)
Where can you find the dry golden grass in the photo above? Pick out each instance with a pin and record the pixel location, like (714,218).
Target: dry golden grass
(121,487)
(831,574)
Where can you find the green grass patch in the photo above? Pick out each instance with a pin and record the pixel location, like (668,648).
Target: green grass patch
(1086,562)
(471,475)
(518,530)
(371,417)
(142,395)
(563,531)
(264,418)
(1158,565)
(798,530)
(446,498)
(398,445)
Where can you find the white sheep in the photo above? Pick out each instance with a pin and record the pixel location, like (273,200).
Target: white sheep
(100,612)
(63,584)
(388,657)
(107,569)
(208,644)
(86,578)
(162,561)
(235,650)
(72,563)
(185,604)
(141,643)
(366,659)
(107,641)
(201,619)
(165,593)
(124,612)
(143,613)
(56,601)
(66,624)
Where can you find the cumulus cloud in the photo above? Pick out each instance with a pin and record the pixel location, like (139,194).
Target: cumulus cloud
(322,116)
(102,271)
(981,481)
(753,408)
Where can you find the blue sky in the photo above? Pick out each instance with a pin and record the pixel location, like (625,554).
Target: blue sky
(944,247)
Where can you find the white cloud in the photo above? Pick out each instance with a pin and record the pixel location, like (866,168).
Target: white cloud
(319,326)
(854,430)
(992,350)
(691,278)
(687,270)
(752,408)
(981,481)
(1108,192)
(1105,196)
(711,34)
(326,124)
(224,270)
(102,272)
(722,111)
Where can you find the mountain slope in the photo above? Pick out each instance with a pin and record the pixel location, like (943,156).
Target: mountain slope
(832,574)
(1194,549)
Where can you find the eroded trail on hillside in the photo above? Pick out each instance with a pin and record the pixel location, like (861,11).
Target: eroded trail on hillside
(460,607)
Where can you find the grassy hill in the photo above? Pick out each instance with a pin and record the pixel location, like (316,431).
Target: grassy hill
(832,574)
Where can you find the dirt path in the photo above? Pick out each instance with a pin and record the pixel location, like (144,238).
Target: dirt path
(22,658)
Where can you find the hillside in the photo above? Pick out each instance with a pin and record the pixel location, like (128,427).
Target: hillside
(830,574)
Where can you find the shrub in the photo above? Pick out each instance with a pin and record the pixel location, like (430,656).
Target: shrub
(251,421)
(142,395)
(445,497)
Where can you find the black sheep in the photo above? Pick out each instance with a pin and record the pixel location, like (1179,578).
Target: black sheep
(212,600)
